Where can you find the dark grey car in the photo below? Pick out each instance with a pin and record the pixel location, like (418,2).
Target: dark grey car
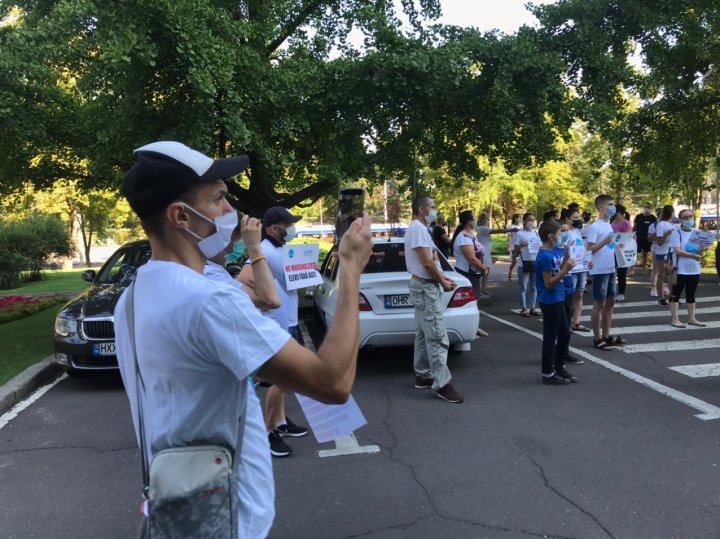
(84,329)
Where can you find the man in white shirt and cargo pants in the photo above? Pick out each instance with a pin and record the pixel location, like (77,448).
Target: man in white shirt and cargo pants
(427,283)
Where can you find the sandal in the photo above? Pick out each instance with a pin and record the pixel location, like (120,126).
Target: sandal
(603,345)
(580,327)
(679,325)
(535,312)
(698,324)
(525,313)
(615,341)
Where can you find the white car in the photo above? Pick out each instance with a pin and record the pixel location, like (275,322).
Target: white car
(387,317)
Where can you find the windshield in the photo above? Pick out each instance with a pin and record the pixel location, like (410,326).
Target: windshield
(121,267)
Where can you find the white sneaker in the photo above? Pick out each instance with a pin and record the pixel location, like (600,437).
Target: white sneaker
(653,292)
(620,297)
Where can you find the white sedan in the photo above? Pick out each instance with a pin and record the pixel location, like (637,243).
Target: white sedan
(387,317)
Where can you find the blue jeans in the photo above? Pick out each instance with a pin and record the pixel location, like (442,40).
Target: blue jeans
(604,286)
(528,293)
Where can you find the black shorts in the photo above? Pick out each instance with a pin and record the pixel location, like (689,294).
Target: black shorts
(644,245)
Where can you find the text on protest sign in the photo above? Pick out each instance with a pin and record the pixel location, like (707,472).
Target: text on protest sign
(300,263)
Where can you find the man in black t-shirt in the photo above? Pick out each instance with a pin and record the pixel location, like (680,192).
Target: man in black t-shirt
(440,236)
(640,227)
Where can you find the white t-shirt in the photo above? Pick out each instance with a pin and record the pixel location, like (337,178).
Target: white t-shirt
(660,229)
(651,230)
(461,261)
(531,237)
(216,272)
(198,342)
(274,255)
(483,236)
(685,265)
(603,260)
(417,235)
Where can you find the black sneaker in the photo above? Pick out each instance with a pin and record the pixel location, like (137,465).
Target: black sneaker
(663,302)
(449,393)
(555,380)
(423,383)
(291,429)
(565,374)
(278,447)
(573,360)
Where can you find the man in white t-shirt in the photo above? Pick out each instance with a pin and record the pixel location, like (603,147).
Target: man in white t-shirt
(602,269)
(426,282)
(199,341)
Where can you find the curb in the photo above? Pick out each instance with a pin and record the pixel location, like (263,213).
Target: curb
(28,381)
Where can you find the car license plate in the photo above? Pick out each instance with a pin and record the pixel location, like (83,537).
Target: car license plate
(398,301)
(104,349)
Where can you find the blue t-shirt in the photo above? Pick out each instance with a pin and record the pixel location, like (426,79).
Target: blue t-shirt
(547,261)
(568,281)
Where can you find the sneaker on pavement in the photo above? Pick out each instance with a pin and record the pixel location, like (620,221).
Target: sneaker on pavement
(653,292)
(555,380)
(291,429)
(565,374)
(278,447)
(620,297)
(663,302)
(449,393)
(423,383)
(573,360)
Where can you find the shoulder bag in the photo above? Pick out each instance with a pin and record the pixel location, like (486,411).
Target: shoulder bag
(670,277)
(189,491)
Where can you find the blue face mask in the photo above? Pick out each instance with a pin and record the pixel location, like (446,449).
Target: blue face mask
(611,211)
(688,223)
(238,252)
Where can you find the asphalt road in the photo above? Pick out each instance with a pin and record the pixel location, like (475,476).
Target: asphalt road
(620,454)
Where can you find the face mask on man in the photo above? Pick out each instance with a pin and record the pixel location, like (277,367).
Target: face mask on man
(218,241)
(577,223)
(290,234)
(431,216)
(530,225)
(611,210)
(646,211)
(688,223)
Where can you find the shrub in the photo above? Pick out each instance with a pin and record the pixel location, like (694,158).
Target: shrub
(708,258)
(29,244)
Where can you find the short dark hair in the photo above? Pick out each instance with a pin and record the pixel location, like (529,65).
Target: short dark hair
(573,206)
(420,201)
(527,216)
(602,199)
(153,224)
(549,226)
(667,212)
(550,214)
(566,213)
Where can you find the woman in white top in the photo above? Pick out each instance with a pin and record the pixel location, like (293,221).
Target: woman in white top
(526,245)
(686,257)
(468,253)
(663,229)
(484,235)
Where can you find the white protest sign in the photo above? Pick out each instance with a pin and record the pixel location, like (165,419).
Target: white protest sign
(625,250)
(534,245)
(300,262)
(331,421)
(578,253)
(701,239)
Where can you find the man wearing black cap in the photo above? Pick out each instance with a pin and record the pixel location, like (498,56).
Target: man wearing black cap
(197,342)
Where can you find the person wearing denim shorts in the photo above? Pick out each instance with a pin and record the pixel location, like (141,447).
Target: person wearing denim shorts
(601,245)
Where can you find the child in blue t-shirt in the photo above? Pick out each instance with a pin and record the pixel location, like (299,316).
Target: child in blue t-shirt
(550,271)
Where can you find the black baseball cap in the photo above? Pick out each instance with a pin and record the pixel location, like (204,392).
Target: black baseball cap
(278,214)
(165,170)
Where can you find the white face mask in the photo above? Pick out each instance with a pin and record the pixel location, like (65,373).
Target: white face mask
(290,234)
(431,216)
(219,240)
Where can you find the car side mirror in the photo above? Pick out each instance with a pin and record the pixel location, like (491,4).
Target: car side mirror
(88,275)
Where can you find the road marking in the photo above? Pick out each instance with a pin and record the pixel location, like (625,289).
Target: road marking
(672,346)
(348,445)
(22,405)
(653,314)
(657,328)
(709,411)
(698,371)
(345,445)
(623,304)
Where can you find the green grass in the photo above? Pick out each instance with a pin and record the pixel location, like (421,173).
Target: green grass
(499,245)
(54,281)
(26,342)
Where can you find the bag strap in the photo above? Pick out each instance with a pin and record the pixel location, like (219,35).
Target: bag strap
(130,313)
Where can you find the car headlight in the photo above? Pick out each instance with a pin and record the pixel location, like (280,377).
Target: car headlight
(65,326)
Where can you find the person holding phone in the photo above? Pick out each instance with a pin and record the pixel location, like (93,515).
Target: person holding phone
(427,282)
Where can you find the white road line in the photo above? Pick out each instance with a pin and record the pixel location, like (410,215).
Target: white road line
(22,405)
(698,371)
(345,445)
(623,305)
(657,328)
(672,346)
(661,311)
(709,411)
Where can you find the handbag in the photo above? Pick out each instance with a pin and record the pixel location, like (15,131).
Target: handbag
(190,491)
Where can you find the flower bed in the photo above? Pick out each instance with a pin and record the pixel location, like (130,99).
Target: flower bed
(16,307)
